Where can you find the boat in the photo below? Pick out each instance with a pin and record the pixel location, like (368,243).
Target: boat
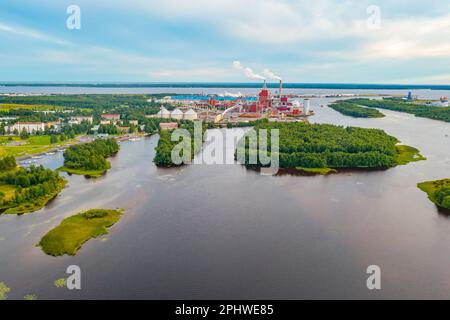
(135,139)
(36,157)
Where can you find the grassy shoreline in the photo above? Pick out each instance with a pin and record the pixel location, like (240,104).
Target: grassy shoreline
(431,188)
(86,173)
(36,204)
(70,235)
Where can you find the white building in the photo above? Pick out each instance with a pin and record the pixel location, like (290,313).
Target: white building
(163,113)
(28,126)
(177,114)
(306,106)
(80,119)
(190,115)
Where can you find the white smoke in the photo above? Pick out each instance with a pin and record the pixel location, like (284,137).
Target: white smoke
(233,95)
(269,74)
(247,71)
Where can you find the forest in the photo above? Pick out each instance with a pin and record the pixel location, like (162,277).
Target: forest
(304,145)
(423,111)
(90,158)
(34,187)
(355,110)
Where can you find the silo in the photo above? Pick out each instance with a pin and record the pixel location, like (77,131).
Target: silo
(163,113)
(190,115)
(306,106)
(177,114)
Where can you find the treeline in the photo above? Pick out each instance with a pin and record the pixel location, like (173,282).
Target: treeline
(7,163)
(163,156)
(31,183)
(424,111)
(355,110)
(328,146)
(442,196)
(90,156)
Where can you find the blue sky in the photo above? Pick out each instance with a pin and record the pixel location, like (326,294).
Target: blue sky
(198,40)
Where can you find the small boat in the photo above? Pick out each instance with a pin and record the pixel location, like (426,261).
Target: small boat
(36,157)
(50,153)
(135,139)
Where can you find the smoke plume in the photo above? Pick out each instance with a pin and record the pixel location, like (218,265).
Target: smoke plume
(269,74)
(247,71)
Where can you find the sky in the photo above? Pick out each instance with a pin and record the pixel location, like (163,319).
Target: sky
(320,41)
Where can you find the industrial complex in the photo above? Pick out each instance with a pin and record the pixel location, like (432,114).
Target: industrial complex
(232,108)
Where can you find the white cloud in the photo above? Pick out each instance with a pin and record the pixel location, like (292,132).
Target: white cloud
(31,33)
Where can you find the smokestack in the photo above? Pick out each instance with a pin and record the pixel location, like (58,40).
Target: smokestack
(281,86)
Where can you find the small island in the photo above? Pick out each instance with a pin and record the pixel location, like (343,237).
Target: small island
(395,104)
(89,159)
(438,192)
(25,190)
(73,232)
(355,110)
(326,148)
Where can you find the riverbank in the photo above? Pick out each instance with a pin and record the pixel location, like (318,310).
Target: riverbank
(438,192)
(73,232)
(33,204)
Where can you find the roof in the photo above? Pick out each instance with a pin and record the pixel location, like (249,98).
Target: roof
(190,111)
(177,111)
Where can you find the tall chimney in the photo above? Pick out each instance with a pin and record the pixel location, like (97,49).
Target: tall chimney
(281,86)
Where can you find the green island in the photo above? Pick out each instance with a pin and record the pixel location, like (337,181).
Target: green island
(419,110)
(74,231)
(356,111)
(89,159)
(25,190)
(163,156)
(438,192)
(326,148)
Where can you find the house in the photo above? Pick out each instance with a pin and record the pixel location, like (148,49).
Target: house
(133,122)
(111,116)
(168,125)
(190,115)
(55,124)
(27,126)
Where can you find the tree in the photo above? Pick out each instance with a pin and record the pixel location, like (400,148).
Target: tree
(24,134)
(53,138)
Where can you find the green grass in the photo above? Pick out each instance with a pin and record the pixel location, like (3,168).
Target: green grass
(34,145)
(73,232)
(87,173)
(36,204)
(431,187)
(407,154)
(321,171)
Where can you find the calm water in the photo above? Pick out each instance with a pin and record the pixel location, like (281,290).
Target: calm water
(226,232)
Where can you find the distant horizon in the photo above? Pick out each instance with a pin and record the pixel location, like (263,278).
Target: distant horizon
(224,84)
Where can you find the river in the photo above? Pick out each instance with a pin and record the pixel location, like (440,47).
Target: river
(224,232)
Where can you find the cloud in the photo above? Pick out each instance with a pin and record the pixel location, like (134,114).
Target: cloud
(31,33)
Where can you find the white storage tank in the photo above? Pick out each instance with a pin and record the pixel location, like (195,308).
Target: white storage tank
(163,113)
(190,115)
(177,114)
(306,106)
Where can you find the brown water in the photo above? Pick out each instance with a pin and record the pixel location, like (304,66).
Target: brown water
(226,232)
